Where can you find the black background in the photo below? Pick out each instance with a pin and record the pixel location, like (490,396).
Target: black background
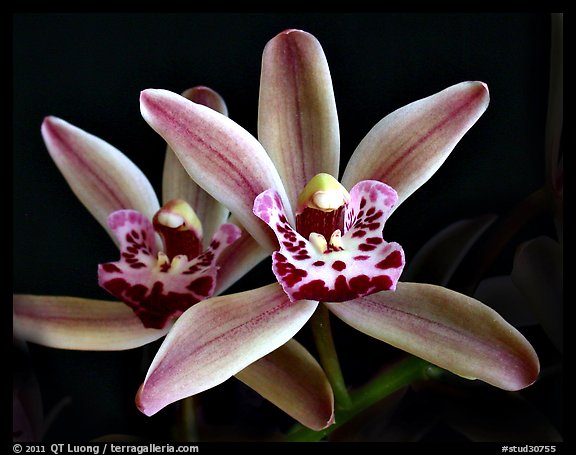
(89,70)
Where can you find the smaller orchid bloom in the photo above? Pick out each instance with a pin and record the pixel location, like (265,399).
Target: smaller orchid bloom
(172,258)
(159,286)
(326,237)
(169,258)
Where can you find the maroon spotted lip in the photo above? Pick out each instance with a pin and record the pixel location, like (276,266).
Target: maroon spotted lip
(359,264)
(157,287)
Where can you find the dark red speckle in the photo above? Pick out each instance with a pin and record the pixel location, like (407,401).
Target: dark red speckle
(116,286)
(315,290)
(289,273)
(392,261)
(339,265)
(137,292)
(111,268)
(382,282)
(202,286)
(360,284)
(343,291)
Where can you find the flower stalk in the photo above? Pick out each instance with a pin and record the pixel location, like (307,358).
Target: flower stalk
(185,426)
(406,372)
(324,341)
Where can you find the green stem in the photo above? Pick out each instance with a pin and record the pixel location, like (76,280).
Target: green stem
(406,372)
(322,332)
(185,429)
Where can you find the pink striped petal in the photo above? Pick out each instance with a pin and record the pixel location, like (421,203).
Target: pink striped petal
(294,381)
(238,260)
(409,145)
(222,157)
(216,339)
(101,176)
(206,97)
(156,287)
(79,324)
(177,184)
(451,330)
(297,117)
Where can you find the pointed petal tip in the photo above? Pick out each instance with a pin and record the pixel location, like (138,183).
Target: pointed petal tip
(49,120)
(476,92)
(51,125)
(293,34)
(527,374)
(150,94)
(290,31)
(206,96)
(448,329)
(331,421)
(482,89)
(148,411)
(484,84)
(147,94)
(149,98)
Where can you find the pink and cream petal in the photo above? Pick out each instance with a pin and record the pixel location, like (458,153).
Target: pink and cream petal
(297,117)
(79,324)
(409,145)
(448,329)
(238,260)
(294,381)
(222,157)
(207,97)
(177,184)
(156,287)
(359,264)
(216,339)
(101,176)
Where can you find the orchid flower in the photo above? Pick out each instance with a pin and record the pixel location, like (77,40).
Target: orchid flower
(330,248)
(165,267)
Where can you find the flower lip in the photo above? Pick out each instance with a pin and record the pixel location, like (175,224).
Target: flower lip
(160,286)
(356,261)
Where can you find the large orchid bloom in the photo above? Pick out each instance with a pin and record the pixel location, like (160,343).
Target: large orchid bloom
(330,248)
(169,261)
